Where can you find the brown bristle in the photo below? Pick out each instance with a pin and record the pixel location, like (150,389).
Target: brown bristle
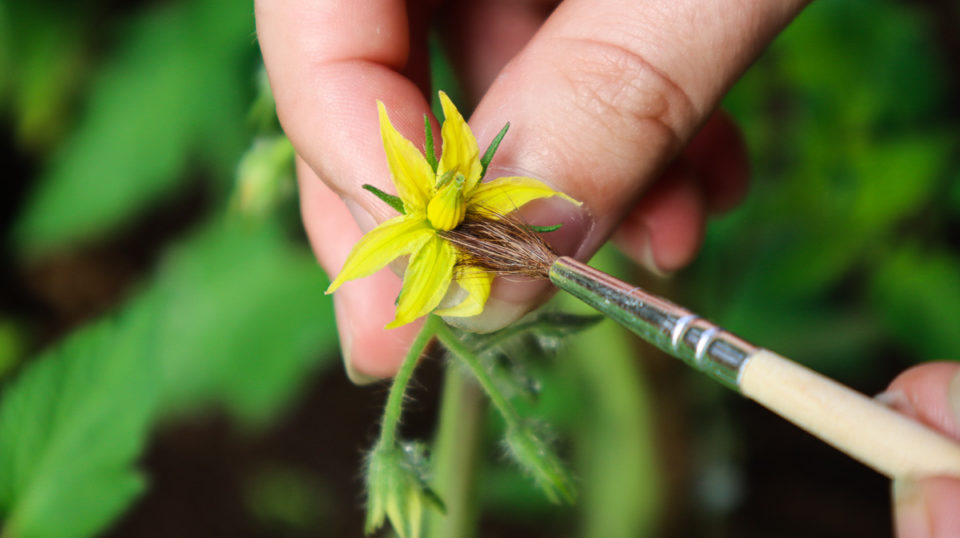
(502,244)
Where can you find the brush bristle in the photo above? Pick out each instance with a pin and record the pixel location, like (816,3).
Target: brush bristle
(502,244)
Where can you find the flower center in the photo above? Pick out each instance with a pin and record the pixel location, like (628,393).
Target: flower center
(447,207)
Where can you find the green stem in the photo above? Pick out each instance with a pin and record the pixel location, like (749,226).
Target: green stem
(472,361)
(455,456)
(394,408)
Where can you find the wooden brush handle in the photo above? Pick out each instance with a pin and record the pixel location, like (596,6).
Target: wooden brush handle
(868,431)
(863,428)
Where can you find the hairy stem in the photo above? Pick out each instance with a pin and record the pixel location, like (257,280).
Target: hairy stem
(394,408)
(472,361)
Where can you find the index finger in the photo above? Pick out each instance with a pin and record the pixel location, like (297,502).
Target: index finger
(328,62)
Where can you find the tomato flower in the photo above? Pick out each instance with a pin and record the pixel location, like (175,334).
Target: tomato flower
(434,197)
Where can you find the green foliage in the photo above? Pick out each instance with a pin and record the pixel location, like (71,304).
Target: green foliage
(265,176)
(288,499)
(235,317)
(917,294)
(13,345)
(243,319)
(616,438)
(852,160)
(43,57)
(71,427)
(173,90)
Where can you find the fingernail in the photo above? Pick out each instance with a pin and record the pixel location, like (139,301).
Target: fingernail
(364,218)
(910,509)
(953,395)
(346,347)
(897,400)
(355,377)
(496,315)
(647,258)
(576,221)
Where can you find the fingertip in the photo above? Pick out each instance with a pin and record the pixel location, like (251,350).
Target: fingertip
(499,312)
(931,394)
(942,497)
(370,350)
(718,155)
(926,507)
(664,230)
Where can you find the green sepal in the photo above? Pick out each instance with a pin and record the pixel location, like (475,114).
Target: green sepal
(391,200)
(544,229)
(428,150)
(491,149)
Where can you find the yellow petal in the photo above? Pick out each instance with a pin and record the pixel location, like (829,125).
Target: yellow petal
(506,194)
(447,208)
(476,282)
(394,238)
(460,151)
(412,175)
(426,281)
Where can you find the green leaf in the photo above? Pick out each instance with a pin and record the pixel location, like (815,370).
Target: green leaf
(389,199)
(429,150)
(177,88)
(492,148)
(917,296)
(263,111)
(244,320)
(71,427)
(46,55)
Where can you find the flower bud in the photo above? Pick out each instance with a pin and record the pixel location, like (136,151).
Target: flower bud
(264,176)
(396,490)
(447,207)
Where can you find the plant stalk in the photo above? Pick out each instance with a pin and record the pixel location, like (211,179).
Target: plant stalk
(394,407)
(455,456)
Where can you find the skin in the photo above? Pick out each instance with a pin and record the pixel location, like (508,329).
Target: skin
(610,101)
(928,507)
(602,95)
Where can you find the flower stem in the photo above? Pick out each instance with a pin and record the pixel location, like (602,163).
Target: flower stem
(394,407)
(472,361)
(455,455)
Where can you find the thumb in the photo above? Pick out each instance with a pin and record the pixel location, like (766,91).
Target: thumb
(926,507)
(600,100)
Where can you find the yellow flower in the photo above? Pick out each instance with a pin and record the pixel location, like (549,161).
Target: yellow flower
(436,198)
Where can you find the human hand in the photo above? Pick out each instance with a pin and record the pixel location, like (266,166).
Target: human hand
(602,96)
(928,507)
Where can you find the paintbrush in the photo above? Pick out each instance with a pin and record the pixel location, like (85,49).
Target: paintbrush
(863,428)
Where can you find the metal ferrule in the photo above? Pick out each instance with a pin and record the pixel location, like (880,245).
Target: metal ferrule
(672,328)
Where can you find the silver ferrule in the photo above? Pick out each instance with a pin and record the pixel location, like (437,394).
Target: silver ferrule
(672,328)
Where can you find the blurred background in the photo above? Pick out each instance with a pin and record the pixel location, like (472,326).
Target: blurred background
(169,363)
